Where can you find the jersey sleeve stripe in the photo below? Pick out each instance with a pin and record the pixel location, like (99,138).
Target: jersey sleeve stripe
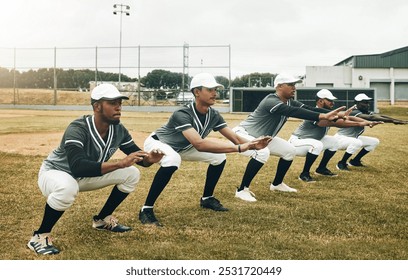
(222,124)
(274,107)
(74,141)
(181,126)
(128,142)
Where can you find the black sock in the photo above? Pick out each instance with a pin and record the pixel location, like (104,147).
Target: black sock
(345,157)
(326,158)
(115,198)
(310,159)
(51,217)
(251,170)
(160,181)
(362,153)
(283,167)
(213,175)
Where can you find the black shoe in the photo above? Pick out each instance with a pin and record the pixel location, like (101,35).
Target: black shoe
(325,172)
(147,217)
(356,163)
(213,204)
(342,166)
(109,223)
(305,177)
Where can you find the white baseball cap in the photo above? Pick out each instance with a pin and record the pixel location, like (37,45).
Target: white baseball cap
(284,78)
(325,93)
(106,92)
(204,80)
(361,97)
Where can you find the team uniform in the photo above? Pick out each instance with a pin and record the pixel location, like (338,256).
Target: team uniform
(80,164)
(170,139)
(351,138)
(268,119)
(75,165)
(309,137)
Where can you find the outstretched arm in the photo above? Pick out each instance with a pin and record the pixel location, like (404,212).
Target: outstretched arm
(332,115)
(220,146)
(382,118)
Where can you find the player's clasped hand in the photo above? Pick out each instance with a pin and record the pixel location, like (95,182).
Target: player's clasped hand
(259,143)
(154,156)
(132,158)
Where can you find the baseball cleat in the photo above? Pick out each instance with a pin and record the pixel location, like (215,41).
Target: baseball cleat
(282,187)
(109,223)
(342,166)
(212,203)
(356,163)
(246,195)
(146,216)
(41,244)
(325,172)
(305,177)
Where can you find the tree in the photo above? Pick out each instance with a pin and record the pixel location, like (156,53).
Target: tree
(254,80)
(162,79)
(6,78)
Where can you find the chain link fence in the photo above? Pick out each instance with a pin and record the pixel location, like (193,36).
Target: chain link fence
(133,61)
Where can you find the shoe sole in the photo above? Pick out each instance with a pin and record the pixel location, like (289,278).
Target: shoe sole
(216,210)
(314,181)
(246,199)
(104,229)
(338,168)
(335,175)
(274,190)
(33,249)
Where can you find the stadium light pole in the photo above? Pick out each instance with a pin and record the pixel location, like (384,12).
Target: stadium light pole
(121,9)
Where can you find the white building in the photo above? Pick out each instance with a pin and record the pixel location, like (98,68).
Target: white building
(386,73)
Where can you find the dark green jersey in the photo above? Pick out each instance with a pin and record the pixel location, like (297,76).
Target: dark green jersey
(353,131)
(185,118)
(271,114)
(82,134)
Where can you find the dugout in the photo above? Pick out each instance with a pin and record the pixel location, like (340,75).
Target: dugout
(247,99)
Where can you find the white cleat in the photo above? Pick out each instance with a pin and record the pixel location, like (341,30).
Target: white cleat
(282,187)
(246,195)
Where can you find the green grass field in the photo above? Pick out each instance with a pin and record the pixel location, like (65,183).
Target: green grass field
(360,215)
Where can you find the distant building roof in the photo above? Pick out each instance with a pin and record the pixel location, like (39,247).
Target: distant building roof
(397,58)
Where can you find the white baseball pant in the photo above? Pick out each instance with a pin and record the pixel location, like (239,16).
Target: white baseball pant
(277,147)
(352,145)
(61,188)
(173,158)
(313,146)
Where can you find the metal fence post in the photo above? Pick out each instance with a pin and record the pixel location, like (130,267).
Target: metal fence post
(14,78)
(55,75)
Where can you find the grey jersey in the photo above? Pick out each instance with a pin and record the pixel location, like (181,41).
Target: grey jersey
(353,131)
(271,114)
(82,133)
(185,118)
(310,129)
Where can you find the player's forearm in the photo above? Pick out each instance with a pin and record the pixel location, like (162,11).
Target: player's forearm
(107,167)
(215,146)
(350,123)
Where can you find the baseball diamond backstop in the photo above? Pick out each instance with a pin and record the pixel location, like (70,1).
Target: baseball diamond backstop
(247,99)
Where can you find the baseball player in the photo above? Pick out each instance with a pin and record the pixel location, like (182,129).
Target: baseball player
(80,163)
(268,119)
(352,140)
(311,138)
(184,138)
